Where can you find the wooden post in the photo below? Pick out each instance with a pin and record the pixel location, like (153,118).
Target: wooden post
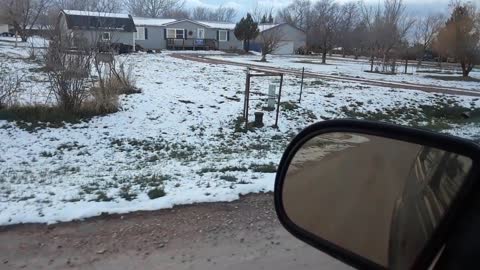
(279,99)
(247,101)
(247,85)
(301,86)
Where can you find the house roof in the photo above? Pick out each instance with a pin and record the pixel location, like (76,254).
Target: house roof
(187,20)
(96,14)
(267,26)
(77,19)
(139,21)
(219,25)
(151,21)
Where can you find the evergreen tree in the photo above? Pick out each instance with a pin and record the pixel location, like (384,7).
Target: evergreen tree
(264,19)
(246,30)
(270,18)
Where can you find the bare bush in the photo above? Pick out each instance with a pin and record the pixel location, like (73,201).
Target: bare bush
(105,100)
(9,88)
(69,73)
(126,80)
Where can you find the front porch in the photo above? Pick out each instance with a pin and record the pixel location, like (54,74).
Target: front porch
(192,44)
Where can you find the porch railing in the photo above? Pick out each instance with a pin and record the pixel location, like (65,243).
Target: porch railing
(192,43)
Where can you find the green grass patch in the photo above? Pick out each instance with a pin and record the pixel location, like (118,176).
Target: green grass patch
(39,116)
(264,168)
(156,193)
(453,78)
(229,178)
(289,106)
(438,116)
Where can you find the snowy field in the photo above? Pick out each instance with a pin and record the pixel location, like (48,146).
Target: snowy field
(180,135)
(356,68)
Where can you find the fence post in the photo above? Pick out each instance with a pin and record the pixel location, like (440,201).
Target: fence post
(279,100)
(301,86)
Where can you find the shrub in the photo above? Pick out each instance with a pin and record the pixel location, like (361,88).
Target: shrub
(68,73)
(156,193)
(124,81)
(9,87)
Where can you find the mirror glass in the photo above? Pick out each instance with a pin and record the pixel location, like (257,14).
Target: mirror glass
(376,197)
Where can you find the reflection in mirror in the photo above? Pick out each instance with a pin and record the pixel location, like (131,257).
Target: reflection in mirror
(376,197)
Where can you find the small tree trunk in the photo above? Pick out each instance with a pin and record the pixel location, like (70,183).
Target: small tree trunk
(343,52)
(324,56)
(264,58)
(371,62)
(406,65)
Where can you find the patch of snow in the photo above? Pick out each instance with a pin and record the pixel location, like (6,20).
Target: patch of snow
(219,25)
(351,68)
(139,21)
(96,14)
(181,129)
(265,27)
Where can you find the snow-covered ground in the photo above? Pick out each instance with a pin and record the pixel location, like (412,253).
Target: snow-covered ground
(354,68)
(181,135)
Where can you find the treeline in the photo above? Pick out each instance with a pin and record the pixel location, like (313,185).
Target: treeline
(386,32)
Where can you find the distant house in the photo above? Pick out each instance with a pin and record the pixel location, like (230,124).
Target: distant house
(292,38)
(94,28)
(159,34)
(6,30)
(155,34)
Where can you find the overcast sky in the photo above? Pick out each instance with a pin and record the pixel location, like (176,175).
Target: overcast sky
(243,6)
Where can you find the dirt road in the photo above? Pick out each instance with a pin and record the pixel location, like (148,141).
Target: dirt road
(401,85)
(240,235)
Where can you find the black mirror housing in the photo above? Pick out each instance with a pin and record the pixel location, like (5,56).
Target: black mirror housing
(411,136)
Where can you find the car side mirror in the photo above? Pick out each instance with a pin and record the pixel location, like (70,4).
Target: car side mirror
(375,195)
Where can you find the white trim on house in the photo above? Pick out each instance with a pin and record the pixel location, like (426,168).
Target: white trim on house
(104,38)
(140,34)
(194,22)
(178,32)
(201,33)
(224,32)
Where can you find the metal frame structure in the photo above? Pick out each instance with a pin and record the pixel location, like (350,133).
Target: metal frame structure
(260,73)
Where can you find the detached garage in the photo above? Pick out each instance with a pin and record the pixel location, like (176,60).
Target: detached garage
(292,38)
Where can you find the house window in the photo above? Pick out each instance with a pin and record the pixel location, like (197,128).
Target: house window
(180,33)
(176,33)
(142,33)
(106,36)
(200,33)
(222,35)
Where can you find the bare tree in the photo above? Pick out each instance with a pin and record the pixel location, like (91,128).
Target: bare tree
(153,8)
(23,14)
(109,6)
(387,27)
(201,13)
(224,14)
(177,13)
(270,40)
(426,30)
(220,14)
(298,14)
(348,21)
(326,19)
